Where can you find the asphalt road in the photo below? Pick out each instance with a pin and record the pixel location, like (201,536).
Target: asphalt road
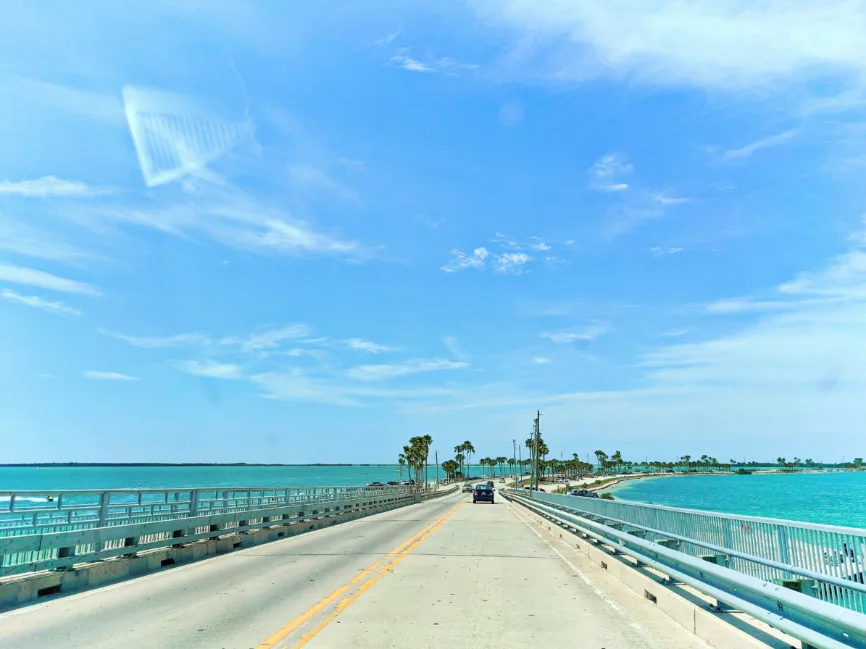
(430,575)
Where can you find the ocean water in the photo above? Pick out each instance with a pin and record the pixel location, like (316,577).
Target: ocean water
(170,477)
(830,498)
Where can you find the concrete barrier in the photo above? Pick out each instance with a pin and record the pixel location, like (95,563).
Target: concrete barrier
(20,590)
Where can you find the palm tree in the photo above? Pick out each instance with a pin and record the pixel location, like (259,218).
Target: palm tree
(501,460)
(601,458)
(469,450)
(401,460)
(458,450)
(686,460)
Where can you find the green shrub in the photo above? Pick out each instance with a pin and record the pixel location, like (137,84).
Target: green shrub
(606,496)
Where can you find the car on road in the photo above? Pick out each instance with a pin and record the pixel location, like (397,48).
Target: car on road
(467,488)
(483,492)
(490,484)
(583,492)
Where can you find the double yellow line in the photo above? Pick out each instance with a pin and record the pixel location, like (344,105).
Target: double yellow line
(396,555)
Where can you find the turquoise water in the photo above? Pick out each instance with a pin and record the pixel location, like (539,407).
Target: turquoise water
(831,498)
(168,477)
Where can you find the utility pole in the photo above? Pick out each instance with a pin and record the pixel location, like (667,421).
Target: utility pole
(535,436)
(514,457)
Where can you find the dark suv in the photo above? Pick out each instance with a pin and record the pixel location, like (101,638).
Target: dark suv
(482,492)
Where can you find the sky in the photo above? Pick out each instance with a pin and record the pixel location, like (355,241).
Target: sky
(304,232)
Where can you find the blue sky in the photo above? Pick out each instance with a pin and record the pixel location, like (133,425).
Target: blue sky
(298,232)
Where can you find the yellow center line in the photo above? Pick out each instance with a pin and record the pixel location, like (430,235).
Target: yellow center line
(347,601)
(406,546)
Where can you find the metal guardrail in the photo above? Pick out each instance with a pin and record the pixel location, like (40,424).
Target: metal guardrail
(810,615)
(53,530)
(767,548)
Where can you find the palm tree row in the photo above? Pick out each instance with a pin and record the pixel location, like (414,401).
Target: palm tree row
(415,456)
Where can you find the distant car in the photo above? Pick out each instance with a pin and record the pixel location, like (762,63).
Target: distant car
(490,484)
(407,483)
(467,488)
(578,492)
(482,492)
(393,483)
(375,484)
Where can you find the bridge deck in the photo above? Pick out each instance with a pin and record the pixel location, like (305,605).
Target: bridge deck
(429,575)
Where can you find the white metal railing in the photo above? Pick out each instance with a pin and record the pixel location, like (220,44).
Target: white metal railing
(807,613)
(767,548)
(53,530)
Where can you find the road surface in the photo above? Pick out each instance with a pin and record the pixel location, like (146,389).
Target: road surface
(441,573)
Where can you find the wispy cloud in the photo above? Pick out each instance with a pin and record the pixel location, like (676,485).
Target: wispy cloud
(669,43)
(229,217)
(178,340)
(268,338)
(587,334)
(102,107)
(390,38)
(453,345)
(384,372)
(659,251)
(41,279)
(540,360)
(49,186)
(666,200)
(28,241)
(608,173)
(312,178)
(511,263)
(39,303)
(463,260)
(211,369)
(108,376)
(765,143)
(361,345)
(406,62)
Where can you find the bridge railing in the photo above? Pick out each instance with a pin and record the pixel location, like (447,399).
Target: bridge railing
(54,530)
(823,609)
(767,548)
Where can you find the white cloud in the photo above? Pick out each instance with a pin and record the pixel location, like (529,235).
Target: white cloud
(766,143)
(312,178)
(296,385)
(268,338)
(48,186)
(658,251)
(510,263)
(360,345)
(384,372)
(103,107)
(607,173)
(108,376)
(455,347)
(39,303)
(41,279)
(664,199)
(23,239)
(723,44)
(463,260)
(541,360)
(587,334)
(431,65)
(745,305)
(229,217)
(178,340)
(211,369)
(387,40)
